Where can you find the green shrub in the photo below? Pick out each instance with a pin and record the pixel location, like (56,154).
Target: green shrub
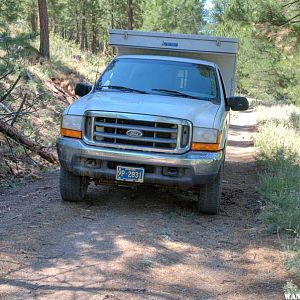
(294,119)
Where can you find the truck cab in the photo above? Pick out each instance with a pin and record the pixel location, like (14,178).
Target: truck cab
(158,114)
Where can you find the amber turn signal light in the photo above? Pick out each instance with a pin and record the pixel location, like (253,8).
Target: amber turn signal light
(207,146)
(70,133)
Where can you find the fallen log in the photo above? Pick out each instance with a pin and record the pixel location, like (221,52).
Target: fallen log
(18,136)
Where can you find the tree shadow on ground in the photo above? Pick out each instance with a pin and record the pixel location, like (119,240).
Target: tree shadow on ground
(146,243)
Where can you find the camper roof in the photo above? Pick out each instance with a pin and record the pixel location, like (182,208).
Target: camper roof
(172,42)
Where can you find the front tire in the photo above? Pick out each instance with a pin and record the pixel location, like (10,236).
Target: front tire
(73,188)
(209,195)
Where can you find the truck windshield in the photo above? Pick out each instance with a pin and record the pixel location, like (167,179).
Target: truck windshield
(171,78)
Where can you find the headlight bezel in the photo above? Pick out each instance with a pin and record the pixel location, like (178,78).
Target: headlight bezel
(73,122)
(205,135)
(206,139)
(71,126)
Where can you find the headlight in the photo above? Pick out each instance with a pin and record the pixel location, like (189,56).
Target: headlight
(206,139)
(72,122)
(71,126)
(205,135)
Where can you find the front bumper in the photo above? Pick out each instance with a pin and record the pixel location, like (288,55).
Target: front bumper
(99,163)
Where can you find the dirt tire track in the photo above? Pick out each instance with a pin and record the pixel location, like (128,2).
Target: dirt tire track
(140,244)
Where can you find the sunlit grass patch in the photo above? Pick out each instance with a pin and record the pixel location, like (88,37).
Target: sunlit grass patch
(278,154)
(67,57)
(278,144)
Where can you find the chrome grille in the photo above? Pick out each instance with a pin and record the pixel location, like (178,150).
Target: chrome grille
(158,134)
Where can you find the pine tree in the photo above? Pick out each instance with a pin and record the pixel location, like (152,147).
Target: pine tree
(269,42)
(44,29)
(173,16)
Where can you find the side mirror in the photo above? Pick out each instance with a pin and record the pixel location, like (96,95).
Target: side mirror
(83,89)
(238,103)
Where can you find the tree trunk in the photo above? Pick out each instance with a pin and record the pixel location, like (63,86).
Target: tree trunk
(18,136)
(34,20)
(86,45)
(94,45)
(105,46)
(44,29)
(112,18)
(83,42)
(77,40)
(129,15)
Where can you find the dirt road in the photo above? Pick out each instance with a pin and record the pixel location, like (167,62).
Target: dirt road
(144,244)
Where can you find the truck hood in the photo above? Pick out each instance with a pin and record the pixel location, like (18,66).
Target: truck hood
(201,113)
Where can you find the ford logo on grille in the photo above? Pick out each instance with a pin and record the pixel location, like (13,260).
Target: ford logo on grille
(134,133)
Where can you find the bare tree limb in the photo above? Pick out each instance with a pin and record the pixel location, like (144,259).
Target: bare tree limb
(9,167)
(8,117)
(29,157)
(4,107)
(19,110)
(290,3)
(5,75)
(12,152)
(11,89)
(289,20)
(15,134)
(294,22)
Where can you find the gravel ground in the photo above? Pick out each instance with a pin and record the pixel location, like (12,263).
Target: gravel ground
(140,244)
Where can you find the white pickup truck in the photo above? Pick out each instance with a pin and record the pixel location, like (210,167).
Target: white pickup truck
(158,114)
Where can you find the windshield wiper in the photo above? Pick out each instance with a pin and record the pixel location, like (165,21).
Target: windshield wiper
(175,93)
(122,88)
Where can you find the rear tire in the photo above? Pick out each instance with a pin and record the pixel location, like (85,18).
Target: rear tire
(209,196)
(73,188)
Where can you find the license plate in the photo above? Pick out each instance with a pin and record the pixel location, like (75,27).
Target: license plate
(130,174)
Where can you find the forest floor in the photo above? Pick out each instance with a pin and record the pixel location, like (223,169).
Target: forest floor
(141,244)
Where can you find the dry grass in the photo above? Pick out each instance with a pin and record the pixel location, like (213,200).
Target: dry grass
(66,57)
(68,65)
(278,143)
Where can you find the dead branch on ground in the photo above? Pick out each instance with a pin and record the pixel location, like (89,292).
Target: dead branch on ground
(18,136)
(11,88)
(5,108)
(17,114)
